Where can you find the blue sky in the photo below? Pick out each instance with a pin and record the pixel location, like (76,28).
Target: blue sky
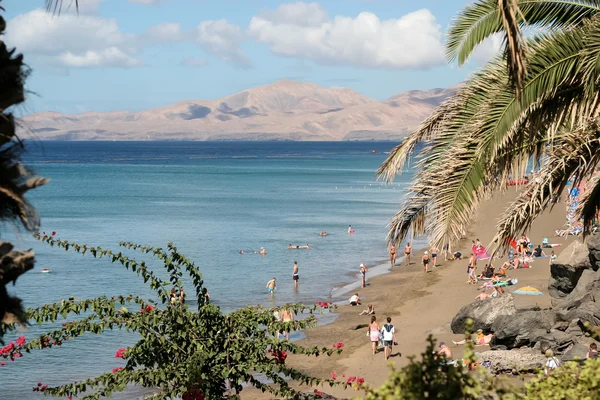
(141,54)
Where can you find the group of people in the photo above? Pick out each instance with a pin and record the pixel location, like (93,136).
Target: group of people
(429,257)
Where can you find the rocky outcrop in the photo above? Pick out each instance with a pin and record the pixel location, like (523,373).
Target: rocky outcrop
(523,328)
(484,313)
(568,268)
(583,303)
(513,361)
(593,244)
(576,352)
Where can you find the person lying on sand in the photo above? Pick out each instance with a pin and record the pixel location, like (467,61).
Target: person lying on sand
(480,339)
(495,292)
(370,310)
(354,300)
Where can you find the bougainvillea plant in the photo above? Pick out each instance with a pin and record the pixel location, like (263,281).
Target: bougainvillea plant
(181,352)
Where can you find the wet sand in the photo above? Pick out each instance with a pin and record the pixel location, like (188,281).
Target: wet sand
(420,304)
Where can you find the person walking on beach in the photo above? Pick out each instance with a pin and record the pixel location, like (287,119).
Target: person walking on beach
(407,252)
(434,253)
(363,275)
(295,275)
(389,338)
(393,254)
(374,332)
(446,250)
(271,286)
(425,261)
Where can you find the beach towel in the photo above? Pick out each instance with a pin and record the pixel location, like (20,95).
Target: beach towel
(528,290)
(480,252)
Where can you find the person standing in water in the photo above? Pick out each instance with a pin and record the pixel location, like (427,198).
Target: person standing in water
(393,254)
(295,275)
(407,252)
(271,286)
(350,229)
(363,275)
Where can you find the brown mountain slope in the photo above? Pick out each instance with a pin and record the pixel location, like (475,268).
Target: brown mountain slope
(284,110)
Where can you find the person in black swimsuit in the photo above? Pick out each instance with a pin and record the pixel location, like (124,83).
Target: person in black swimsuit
(425,261)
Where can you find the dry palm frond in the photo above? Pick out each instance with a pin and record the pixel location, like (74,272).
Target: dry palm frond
(574,158)
(514,42)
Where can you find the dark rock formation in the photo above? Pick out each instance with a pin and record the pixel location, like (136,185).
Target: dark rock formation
(593,244)
(577,352)
(583,302)
(567,270)
(523,329)
(314,396)
(483,313)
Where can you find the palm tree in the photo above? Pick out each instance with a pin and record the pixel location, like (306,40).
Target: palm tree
(15,181)
(536,101)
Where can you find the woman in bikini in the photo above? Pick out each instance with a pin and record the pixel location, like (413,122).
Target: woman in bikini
(393,255)
(374,333)
(426,261)
(363,275)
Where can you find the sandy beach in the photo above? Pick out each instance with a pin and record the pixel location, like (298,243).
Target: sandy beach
(420,304)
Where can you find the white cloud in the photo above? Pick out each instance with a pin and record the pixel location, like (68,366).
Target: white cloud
(194,62)
(304,31)
(223,40)
(71,40)
(487,49)
(165,32)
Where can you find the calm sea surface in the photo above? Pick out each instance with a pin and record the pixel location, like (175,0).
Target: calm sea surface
(211,199)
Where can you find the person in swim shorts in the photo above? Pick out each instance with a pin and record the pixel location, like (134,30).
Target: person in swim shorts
(295,275)
(434,253)
(271,286)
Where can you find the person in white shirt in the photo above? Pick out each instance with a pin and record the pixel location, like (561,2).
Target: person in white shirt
(354,300)
(551,363)
(389,338)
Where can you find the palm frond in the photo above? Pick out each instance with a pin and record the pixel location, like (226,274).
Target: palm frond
(590,204)
(481,20)
(56,6)
(574,158)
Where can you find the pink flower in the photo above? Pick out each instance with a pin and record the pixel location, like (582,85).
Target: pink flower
(114,370)
(350,380)
(3,363)
(333,375)
(120,353)
(53,233)
(338,345)
(343,375)
(360,381)
(21,341)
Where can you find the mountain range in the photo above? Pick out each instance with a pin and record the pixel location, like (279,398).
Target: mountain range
(283,110)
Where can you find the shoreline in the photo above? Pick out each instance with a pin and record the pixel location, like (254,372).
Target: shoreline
(419,304)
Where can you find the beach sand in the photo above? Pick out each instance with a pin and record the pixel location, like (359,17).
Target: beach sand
(420,304)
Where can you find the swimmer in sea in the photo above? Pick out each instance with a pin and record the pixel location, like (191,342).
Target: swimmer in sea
(271,286)
(262,251)
(350,230)
(323,233)
(241,251)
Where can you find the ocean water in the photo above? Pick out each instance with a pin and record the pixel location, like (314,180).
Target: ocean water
(211,199)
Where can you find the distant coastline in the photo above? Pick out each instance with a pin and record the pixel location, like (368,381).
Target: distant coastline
(284,110)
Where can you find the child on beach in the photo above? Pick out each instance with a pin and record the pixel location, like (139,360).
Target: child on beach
(471,271)
(370,310)
(425,261)
(354,300)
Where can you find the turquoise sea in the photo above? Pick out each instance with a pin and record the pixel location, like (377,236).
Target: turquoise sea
(211,199)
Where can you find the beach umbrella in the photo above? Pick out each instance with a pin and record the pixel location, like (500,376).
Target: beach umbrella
(528,290)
